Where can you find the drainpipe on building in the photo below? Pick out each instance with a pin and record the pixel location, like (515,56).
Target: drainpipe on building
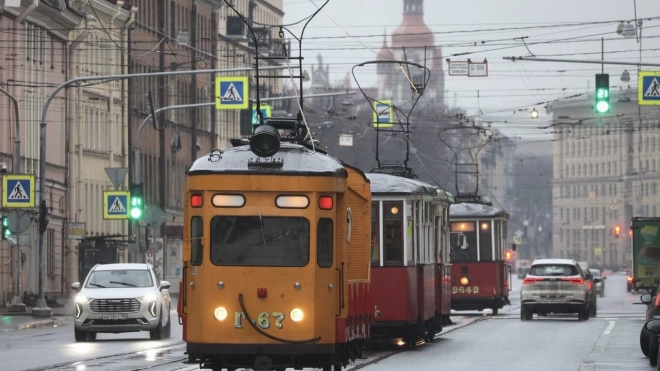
(73,133)
(21,17)
(111,91)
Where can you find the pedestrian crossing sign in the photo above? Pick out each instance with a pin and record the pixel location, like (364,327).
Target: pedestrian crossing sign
(115,205)
(231,92)
(18,190)
(648,88)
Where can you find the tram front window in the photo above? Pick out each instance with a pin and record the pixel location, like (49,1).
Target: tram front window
(468,251)
(259,241)
(393,232)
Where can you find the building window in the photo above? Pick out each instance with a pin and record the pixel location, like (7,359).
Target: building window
(50,252)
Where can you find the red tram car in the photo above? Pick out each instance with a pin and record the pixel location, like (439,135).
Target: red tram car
(479,272)
(409,259)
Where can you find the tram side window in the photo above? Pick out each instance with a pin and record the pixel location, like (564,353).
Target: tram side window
(196,234)
(468,251)
(393,232)
(375,233)
(324,242)
(485,241)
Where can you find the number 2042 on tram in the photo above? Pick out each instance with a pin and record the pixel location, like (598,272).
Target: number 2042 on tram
(276,260)
(479,273)
(409,259)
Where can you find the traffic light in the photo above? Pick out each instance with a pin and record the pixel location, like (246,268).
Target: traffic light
(602,93)
(509,255)
(617,231)
(137,201)
(5,228)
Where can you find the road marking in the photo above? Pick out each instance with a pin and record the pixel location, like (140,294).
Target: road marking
(609,328)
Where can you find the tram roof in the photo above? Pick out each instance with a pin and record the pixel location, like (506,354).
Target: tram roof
(390,184)
(464,210)
(295,159)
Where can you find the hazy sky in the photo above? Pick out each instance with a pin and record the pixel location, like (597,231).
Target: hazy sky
(475,26)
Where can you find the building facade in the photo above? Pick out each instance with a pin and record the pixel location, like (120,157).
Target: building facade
(606,170)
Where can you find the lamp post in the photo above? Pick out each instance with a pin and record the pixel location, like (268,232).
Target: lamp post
(17,304)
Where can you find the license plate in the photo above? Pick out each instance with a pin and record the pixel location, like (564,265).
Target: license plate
(115,316)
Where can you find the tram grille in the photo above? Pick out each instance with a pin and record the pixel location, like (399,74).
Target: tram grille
(115,305)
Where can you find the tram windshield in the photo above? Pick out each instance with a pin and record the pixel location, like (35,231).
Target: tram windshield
(259,241)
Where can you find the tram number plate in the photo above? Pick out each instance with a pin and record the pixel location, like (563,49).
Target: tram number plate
(115,316)
(465,290)
(264,321)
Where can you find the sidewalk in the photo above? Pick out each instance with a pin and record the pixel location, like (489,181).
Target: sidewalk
(16,321)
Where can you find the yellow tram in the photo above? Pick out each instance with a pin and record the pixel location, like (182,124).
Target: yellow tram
(276,260)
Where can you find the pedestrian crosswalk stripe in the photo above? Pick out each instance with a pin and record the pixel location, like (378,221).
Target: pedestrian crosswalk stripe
(117,206)
(232,94)
(653,90)
(18,193)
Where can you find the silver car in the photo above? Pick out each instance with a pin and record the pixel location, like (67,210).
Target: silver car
(555,286)
(122,298)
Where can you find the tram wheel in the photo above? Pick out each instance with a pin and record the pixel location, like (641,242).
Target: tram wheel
(495,310)
(337,367)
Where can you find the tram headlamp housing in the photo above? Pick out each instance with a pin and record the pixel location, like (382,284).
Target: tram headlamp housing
(265,142)
(220,313)
(297,315)
(464,281)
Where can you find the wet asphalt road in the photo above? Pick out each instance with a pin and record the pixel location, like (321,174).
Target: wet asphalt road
(478,341)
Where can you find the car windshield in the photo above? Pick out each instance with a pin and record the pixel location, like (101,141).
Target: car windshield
(595,272)
(101,279)
(553,270)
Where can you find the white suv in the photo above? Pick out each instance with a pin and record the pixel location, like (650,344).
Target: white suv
(122,298)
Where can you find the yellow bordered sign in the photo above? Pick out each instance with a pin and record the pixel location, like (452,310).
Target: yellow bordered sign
(18,190)
(648,88)
(116,204)
(383,115)
(232,92)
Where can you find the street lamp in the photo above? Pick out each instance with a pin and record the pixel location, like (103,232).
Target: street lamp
(625,76)
(535,113)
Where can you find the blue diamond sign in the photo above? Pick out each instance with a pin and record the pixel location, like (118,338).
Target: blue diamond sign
(18,191)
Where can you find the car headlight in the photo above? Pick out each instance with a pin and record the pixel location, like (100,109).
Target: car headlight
(81,299)
(149,297)
(296,315)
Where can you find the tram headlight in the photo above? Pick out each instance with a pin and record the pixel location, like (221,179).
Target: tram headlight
(297,315)
(265,142)
(220,313)
(464,281)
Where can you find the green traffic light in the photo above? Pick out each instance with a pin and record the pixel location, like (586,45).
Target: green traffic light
(136,213)
(602,107)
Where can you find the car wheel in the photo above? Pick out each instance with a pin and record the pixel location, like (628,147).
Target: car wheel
(167,330)
(157,333)
(653,349)
(644,340)
(583,314)
(526,314)
(91,336)
(593,310)
(80,335)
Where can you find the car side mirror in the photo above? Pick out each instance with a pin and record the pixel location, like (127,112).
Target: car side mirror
(164,285)
(589,276)
(604,278)
(653,325)
(597,279)
(75,286)
(646,298)
(522,275)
